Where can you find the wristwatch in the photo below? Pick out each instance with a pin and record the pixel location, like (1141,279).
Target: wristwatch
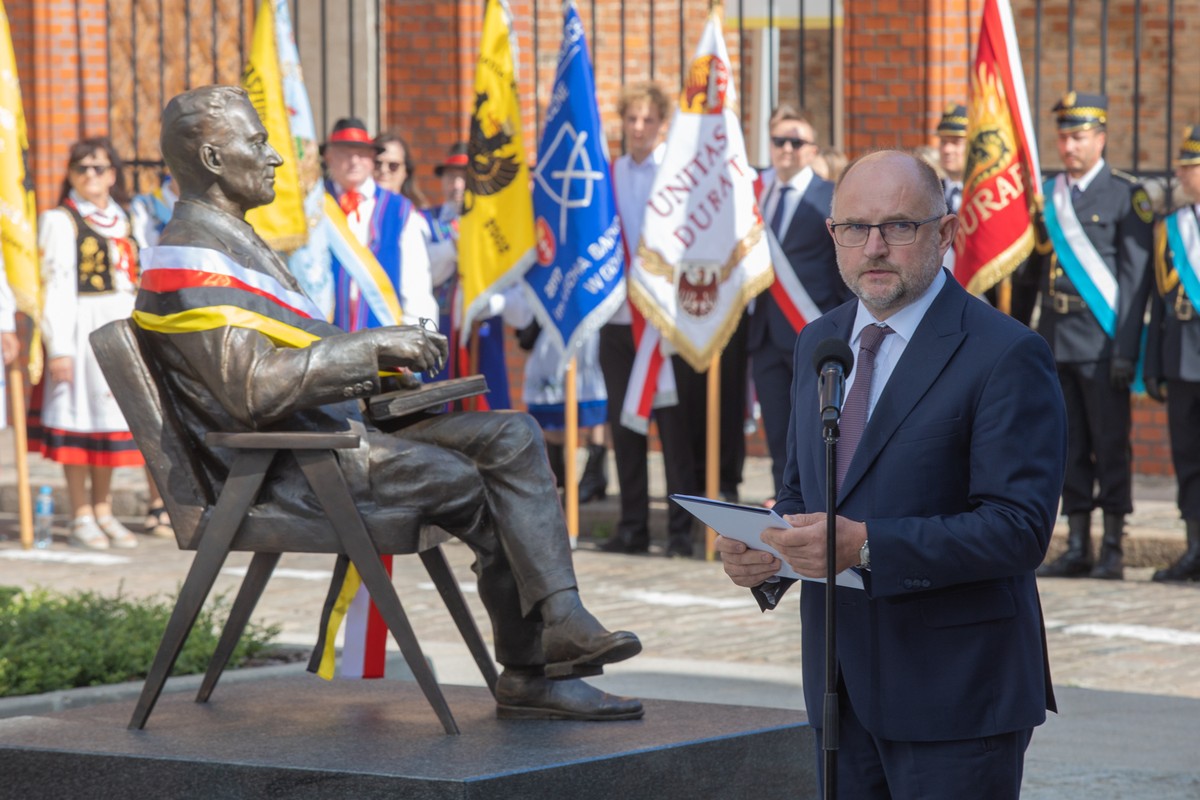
(864,556)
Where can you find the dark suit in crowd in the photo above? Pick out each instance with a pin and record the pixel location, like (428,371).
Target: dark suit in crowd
(770,338)
(1172,373)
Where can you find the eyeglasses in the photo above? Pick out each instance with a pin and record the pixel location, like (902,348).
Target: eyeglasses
(898,232)
(780,141)
(389,166)
(95,169)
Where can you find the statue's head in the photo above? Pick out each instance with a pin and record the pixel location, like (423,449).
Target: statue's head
(215,145)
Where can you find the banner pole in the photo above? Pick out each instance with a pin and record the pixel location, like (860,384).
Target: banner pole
(570,450)
(16,405)
(712,449)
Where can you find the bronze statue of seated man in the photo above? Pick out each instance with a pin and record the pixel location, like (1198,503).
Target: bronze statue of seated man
(243,349)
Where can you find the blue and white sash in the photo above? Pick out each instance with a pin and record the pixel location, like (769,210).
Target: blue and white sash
(1083,265)
(1183,234)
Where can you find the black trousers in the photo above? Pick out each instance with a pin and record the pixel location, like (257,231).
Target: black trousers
(1183,422)
(1099,457)
(629,447)
(870,768)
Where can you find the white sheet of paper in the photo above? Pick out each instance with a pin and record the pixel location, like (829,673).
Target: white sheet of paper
(746,524)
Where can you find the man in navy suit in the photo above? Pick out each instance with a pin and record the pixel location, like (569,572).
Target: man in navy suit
(945,508)
(795,201)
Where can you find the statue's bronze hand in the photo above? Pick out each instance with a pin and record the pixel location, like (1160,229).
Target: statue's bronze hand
(410,347)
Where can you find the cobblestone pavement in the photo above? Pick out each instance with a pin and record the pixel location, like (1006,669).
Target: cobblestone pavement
(1132,637)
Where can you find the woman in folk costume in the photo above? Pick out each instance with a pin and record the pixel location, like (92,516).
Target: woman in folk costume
(89,272)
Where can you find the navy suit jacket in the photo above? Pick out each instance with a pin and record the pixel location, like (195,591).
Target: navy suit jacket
(810,253)
(957,477)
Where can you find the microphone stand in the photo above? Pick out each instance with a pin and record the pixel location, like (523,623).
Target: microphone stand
(831,719)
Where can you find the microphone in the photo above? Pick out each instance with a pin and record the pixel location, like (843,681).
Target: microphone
(833,360)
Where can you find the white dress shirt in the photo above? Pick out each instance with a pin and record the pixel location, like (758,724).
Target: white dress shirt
(904,324)
(632,183)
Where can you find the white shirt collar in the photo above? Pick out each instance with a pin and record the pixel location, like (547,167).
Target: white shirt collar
(1086,181)
(366,189)
(905,321)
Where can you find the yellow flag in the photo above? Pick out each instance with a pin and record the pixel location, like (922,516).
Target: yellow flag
(282,223)
(18,207)
(496,241)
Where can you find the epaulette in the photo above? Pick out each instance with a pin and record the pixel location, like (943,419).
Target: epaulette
(1125,176)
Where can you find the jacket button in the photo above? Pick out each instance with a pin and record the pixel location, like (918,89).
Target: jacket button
(908,583)
(925,584)
(348,391)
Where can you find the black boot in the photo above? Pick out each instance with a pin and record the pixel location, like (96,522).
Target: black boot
(626,542)
(557,466)
(594,483)
(1109,566)
(1187,568)
(1077,561)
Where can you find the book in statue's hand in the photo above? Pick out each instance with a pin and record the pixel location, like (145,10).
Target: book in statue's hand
(428,398)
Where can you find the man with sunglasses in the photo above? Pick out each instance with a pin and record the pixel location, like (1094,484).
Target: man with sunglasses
(794,202)
(950,459)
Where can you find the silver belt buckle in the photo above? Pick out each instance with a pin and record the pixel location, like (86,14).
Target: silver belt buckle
(1062,304)
(1184,309)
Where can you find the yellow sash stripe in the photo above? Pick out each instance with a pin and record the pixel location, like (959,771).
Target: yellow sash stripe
(366,258)
(212,317)
(336,615)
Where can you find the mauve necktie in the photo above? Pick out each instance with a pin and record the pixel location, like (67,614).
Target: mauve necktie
(777,217)
(1076,193)
(854,410)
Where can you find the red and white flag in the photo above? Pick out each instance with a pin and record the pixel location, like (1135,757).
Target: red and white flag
(1002,180)
(703,253)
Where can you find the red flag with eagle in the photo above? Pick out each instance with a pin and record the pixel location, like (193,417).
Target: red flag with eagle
(1002,180)
(703,254)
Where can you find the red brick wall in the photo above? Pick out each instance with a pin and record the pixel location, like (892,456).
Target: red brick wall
(61,56)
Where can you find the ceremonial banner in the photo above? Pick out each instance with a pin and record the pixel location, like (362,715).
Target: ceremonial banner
(281,223)
(309,263)
(496,240)
(18,207)
(1002,180)
(578,280)
(703,254)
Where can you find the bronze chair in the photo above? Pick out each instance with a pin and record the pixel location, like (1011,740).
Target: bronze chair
(215,523)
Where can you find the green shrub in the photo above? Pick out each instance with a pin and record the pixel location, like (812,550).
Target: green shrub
(51,641)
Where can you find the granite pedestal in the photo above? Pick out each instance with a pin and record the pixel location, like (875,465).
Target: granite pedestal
(301,737)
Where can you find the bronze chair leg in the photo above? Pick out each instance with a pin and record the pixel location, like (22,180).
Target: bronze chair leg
(321,470)
(257,575)
(439,571)
(241,487)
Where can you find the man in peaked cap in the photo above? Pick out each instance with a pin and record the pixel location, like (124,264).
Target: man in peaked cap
(1094,277)
(1172,368)
(381,221)
(952,152)
(952,157)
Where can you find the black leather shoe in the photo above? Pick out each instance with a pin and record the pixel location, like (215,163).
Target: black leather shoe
(529,696)
(630,545)
(679,547)
(579,646)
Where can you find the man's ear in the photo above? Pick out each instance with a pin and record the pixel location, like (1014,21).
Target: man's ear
(210,157)
(946,231)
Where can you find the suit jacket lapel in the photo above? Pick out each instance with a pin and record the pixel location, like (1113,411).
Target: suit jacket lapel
(936,339)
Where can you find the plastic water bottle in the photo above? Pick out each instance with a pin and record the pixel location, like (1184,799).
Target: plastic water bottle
(43,518)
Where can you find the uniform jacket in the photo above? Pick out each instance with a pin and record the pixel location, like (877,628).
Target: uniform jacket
(1173,340)
(957,477)
(809,250)
(1115,214)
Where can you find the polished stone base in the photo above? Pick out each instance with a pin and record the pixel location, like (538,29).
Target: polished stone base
(301,737)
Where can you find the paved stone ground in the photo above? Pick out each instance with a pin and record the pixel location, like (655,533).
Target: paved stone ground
(701,634)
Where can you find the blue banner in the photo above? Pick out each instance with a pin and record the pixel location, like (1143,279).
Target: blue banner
(578,278)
